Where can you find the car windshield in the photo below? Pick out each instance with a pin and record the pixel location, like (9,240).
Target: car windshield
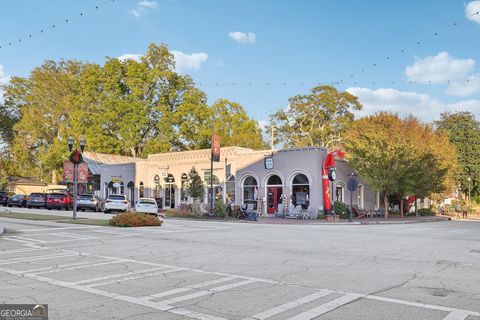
(85,197)
(116,197)
(3,194)
(18,196)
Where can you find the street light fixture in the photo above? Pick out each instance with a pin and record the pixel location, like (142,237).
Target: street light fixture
(70,143)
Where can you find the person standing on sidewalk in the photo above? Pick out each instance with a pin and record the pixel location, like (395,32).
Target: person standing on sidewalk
(465,211)
(458,209)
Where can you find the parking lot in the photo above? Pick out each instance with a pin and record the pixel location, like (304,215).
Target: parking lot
(219,270)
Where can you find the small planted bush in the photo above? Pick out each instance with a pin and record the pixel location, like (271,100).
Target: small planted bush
(134,219)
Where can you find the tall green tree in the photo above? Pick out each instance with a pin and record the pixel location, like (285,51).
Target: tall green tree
(235,127)
(399,156)
(317,119)
(463,130)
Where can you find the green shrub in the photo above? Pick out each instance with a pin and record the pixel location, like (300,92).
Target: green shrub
(425,212)
(340,209)
(134,219)
(476,199)
(220,208)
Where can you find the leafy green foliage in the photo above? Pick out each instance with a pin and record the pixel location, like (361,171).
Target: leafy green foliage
(463,130)
(220,208)
(194,185)
(340,209)
(317,119)
(400,156)
(124,107)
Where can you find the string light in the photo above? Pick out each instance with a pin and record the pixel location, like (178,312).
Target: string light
(54,26)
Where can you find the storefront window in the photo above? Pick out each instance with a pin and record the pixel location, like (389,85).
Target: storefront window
(230,188)
(339,193)
(300,190)
(250,189)
(142,190)
(184,191)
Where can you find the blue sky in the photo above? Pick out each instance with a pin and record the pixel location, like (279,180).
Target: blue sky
(260,52)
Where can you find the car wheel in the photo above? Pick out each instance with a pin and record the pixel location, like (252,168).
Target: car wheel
(106,211)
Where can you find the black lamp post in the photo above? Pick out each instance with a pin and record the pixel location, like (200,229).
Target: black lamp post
(82,143)
(352,185)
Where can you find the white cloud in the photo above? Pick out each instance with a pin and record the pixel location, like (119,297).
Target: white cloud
(465,88)
(191,61)
(401,102)
(243,37)
(143,7)
(467,105)
(439,69)
(148,4)
(130,56)
(472,10)
(4,79)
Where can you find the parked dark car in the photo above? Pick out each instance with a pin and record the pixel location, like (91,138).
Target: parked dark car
(58,201)
(18,200)
(88,202)
(37,200)
(4,198)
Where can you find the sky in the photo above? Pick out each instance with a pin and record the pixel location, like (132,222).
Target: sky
(410,56)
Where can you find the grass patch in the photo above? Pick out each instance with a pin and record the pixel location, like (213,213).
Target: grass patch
(30,216)
(43,217)
(91,222)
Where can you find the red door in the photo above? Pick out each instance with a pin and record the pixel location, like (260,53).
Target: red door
(272,200)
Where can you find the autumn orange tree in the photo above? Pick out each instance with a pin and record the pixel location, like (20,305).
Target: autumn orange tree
(400,156)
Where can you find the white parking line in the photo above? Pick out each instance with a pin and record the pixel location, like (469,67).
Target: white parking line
(457,315)
(78,266)
(22,250)
(206,292)
(189,288)
(144,275)
(290,305)
(59,228)
(34,258)
(25,239)
(326,307)
(119,275)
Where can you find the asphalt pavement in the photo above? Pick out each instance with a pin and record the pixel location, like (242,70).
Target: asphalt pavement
(220,270)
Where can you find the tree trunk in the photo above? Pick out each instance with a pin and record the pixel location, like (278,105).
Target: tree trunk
(401,205)
(385,203)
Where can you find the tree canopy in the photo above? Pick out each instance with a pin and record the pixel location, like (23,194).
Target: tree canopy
(124,107)
(463,130)
(400,156)
(317,119)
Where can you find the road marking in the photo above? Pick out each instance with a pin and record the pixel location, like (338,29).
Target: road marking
(118,275)
(79,266)
(460,231)
(457,315)
(189,288)
(134,277)
(206,292)
(59,228)
(72,235)
(290,305)
(25,239)
(327,307)
(22,250)
(194,314)
(33,258)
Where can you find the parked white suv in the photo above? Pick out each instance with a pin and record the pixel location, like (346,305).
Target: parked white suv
(116,202)
(147,205)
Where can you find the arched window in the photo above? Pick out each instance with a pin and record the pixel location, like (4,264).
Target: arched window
(156,186)
(300,190)
(141,190)
(360,196)
(230,188)
(131,191)
(340,192)
(183,190)
(274,181)
(250,189)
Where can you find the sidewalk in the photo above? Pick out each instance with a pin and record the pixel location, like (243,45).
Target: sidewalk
(368,221)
